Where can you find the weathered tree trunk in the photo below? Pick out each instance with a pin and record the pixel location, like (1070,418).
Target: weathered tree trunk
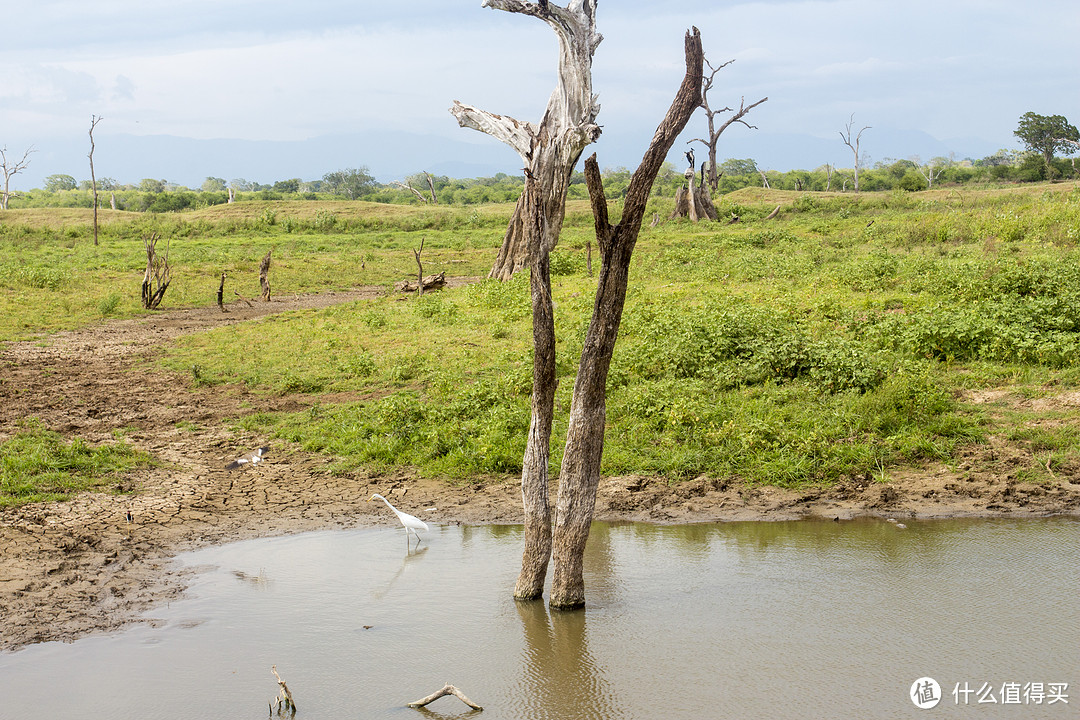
(221,293)
(580,472)
(534,469)
(694,202)
(549,151)
(513,254)
(264,279)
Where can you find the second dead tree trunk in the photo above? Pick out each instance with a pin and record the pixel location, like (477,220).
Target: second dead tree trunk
(549,151)
(579,475)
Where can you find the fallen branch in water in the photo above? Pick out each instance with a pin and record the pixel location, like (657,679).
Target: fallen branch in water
(285,703)
(446,690)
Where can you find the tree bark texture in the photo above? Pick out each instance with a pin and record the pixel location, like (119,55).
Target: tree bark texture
(580,472)
(534,470)
(549,152)
(551,149)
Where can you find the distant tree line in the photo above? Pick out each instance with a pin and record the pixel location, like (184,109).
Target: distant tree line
(152,195)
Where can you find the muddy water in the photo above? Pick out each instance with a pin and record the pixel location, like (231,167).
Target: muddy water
(740,620)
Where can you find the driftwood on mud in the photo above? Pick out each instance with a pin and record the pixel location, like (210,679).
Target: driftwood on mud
(158,274)
(431,282)
(447,689)
(264,280)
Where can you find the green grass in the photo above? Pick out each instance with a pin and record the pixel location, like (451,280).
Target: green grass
(37,465)
(837,339)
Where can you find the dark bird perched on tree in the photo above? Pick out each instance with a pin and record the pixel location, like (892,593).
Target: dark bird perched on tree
(690,157)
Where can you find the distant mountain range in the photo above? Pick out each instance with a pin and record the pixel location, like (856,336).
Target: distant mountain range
(392,156)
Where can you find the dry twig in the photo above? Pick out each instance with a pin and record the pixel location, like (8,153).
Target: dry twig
(447,689)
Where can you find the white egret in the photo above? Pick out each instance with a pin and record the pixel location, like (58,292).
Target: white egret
(250,458)
(412,524)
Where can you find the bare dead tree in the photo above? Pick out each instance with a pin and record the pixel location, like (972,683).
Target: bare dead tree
(431,184)
(158,273)
(828,176)
(711,115)
(929,172)
(854,145)
(264,276)
(549,151)
(414,191)
(579,475)
(11,168)
(94,120)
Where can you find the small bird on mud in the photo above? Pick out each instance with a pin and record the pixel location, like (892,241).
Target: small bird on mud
(412,524)
(251,458)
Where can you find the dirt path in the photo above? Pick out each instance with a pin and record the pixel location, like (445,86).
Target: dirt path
(72,568)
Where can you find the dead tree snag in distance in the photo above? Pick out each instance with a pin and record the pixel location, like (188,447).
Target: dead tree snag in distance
(94,120)
(710,114)
(549,151)
(221,293)
(158,275)
(264,279)
(11,168)
(579,475)
(845,135)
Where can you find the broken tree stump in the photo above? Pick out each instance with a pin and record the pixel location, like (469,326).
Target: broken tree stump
(447,689)
(431,282)
(264,281)
(221,293)
(693,202)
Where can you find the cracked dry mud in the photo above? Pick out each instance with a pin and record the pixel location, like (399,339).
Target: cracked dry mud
(72,568)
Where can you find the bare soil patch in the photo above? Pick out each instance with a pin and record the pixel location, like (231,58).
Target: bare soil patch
(72,568)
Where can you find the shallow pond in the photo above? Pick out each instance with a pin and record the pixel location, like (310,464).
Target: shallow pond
(737,620)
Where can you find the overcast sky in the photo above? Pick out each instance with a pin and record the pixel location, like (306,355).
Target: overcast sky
(272,70)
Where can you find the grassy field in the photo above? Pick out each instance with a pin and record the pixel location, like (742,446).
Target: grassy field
(839,338)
